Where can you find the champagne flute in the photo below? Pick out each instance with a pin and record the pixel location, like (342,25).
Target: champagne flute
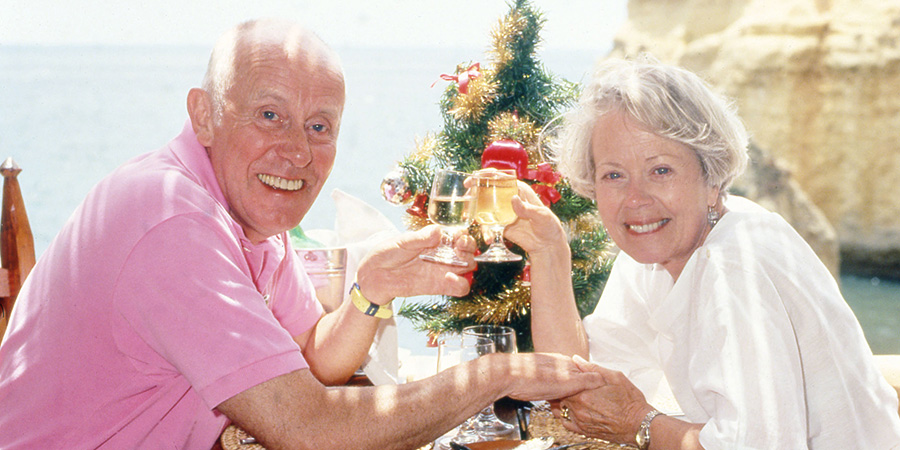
(495,190)
(504,338)
(451,206)
(453,350)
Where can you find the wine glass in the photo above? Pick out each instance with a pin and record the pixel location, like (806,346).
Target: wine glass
(451,206)
(453,350)
(486,422)
(495,190)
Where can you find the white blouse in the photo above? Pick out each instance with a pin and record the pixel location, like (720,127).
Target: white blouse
(754,338)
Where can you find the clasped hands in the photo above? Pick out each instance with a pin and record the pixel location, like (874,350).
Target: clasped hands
(612,412)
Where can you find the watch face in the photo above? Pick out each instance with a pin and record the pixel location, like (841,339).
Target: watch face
(641,439)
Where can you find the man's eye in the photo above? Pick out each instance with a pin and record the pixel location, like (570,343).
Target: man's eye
(269,115)
(319,128)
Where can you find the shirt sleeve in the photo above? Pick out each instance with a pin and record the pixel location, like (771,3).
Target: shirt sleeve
(744,366)
(618,332)
(187,292)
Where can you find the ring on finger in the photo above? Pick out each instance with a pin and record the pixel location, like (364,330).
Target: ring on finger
(564,411)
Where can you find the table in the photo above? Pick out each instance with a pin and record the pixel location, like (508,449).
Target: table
(541,423)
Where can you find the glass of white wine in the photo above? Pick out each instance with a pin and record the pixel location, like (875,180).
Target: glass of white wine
(495,189)
(452,206)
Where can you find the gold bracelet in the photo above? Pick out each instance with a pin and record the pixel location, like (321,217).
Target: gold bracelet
(368,308)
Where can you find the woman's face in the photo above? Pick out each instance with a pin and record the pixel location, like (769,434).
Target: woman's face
(650,192)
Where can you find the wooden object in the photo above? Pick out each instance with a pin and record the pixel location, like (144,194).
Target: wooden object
(16,242)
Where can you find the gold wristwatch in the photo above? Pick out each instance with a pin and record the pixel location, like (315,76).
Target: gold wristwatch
(643,434)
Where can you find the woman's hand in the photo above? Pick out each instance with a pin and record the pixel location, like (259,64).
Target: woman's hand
(537,229)
(612,412)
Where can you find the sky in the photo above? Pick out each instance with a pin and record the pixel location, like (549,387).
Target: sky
(571,24)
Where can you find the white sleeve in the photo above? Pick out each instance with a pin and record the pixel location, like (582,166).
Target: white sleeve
(744,367)
(618,332)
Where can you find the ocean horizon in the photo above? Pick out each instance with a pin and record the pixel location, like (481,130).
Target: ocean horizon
(69,115)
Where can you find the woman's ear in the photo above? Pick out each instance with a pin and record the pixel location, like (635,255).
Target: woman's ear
(712,197)
(200,110)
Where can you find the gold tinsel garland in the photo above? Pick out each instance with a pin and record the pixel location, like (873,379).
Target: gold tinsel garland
(481,91)
(502,309)
(424,148)
(508,30)
(509,125)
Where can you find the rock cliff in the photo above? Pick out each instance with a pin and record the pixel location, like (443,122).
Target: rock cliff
(818,84)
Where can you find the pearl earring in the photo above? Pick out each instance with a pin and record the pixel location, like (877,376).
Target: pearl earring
(712,216)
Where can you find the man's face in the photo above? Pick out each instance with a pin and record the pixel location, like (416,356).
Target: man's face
(275,143)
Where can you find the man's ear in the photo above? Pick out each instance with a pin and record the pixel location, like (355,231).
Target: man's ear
(200,109)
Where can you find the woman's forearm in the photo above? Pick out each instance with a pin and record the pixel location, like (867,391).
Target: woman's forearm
(555,323)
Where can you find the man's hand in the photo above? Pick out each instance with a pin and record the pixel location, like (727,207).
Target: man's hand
(543,376)
(394,269)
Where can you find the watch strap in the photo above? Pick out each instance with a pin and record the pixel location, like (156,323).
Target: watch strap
(366,307)
(643,434)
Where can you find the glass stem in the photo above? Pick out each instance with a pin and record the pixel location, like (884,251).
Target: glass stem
(446,238)
(498,236)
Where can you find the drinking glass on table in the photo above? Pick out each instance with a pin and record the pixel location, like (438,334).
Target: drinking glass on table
(494,190)
(453,350)
(451,206)
(486,422)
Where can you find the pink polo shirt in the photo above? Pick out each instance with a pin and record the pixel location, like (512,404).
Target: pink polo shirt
(148,310)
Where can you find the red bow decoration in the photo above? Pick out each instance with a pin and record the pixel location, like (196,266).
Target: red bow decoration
(545,174)
(548,194)
(463,78)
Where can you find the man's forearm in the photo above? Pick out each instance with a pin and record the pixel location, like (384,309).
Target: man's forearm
(339,343)
(294,411)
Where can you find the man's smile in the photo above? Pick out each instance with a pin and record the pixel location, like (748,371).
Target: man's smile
(280,183)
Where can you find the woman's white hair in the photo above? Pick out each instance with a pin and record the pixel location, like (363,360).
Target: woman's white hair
(666,100)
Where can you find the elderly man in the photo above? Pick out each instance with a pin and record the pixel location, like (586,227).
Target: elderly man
(171,303)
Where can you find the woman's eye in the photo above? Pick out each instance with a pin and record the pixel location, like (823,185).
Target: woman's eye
(613,176)
(661,170)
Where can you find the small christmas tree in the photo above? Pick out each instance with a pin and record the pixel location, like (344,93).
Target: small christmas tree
(500,115)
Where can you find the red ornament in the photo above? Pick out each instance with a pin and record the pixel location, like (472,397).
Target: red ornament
(506,154)
(418,207)
(433,338)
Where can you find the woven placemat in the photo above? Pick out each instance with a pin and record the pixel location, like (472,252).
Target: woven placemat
(542,424)
(231,439)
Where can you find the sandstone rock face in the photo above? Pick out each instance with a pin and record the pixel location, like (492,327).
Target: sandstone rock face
(818,84)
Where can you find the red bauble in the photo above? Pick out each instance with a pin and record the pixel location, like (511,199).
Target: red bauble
(506,154)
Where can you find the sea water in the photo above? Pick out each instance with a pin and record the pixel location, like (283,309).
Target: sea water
(69,115)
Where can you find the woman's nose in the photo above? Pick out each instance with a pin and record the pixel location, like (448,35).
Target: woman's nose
(637,194)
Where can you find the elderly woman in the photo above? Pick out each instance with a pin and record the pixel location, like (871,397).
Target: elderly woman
(709,292)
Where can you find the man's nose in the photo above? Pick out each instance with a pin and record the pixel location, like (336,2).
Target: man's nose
(296,148)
